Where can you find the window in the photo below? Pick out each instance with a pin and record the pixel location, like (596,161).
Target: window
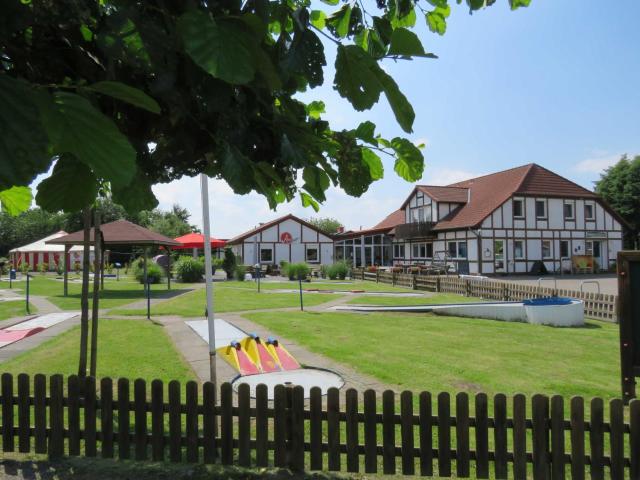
(398,250)
(589,211)
(568,211)
(266,255)
(564,248)
(419,250)
(518,208)
(546,248)
(429,250)
(518,249)
(541,209)
(457,249)
(312,254)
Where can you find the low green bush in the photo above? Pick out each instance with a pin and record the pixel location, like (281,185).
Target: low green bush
(189,269)
(154,271)
(239,272)
(297,271)
(338,271)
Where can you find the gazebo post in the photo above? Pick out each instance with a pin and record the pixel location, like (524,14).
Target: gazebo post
(66,269)
(168,268)
(144,274)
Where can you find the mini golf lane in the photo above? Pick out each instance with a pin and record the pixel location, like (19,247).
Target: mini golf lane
(31,327)
(226,333)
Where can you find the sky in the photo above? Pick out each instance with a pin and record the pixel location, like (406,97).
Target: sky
(555,84)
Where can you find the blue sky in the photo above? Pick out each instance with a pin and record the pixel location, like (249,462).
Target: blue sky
(556,83)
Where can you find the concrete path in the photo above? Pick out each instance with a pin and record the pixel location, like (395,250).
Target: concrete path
(608,281)
(163,297)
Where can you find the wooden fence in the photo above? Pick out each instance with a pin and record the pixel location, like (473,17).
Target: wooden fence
(596,305)
(409,434)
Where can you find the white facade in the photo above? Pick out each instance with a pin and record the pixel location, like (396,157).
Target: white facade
(510,240)
(286,239)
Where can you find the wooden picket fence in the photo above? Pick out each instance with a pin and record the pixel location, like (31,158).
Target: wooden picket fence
(542,437)
(596,305)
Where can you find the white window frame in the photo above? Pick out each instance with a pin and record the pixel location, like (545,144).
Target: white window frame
(457,243)
(546,213)
(522,205)
(266,249)
(550,248)
(573,211)
(396,250)
(568,248)
(593,211)
(515,249)
(306,253)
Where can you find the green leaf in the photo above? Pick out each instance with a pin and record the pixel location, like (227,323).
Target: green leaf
(331,2)
(405,42)
(340,20)
(360,80)
(93,139)
(316,182)
(236,169)
(373,161)
(408,20)
(127,94)
(356,77)
(315,109)
(436,22)
(515,4)
(137,196)
(409,160)
(318,19)
(306,57)
(439,3)
(15,200)
(23,138)
(86,32)
(366,132)
(220,48)
(307,200)
(71,186)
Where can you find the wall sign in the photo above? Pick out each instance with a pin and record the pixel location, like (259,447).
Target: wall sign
(285,237)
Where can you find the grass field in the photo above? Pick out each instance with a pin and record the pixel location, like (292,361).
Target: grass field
(126,348)
(426,300)
(227,298)
(322,284)
(436,353)
(14,309)
(115,294)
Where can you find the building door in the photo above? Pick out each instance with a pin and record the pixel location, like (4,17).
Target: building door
(594,248)
(498,256)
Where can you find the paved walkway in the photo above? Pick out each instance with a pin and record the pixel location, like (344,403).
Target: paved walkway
(608,281)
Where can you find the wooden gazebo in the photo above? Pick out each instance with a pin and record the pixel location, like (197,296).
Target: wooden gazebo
(120,232)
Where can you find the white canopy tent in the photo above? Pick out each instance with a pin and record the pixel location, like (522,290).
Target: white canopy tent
(41,252)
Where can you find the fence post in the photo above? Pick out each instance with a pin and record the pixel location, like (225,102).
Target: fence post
(414,281)
(377,276)
(505,295)
(467,287)
(393,278)
(438,283)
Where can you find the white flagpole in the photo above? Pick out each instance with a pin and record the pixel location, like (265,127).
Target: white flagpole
(204,190)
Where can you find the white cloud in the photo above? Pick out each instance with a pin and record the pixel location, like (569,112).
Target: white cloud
(596,164)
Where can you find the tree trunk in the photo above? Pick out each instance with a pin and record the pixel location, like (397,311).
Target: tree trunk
(97,248)
(84,299)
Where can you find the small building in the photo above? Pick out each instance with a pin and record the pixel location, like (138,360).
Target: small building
(39,252)
(503,222)
(288,239)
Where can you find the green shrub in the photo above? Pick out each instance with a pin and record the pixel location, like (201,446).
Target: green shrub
(338,271)
(24,267)
(298,271)
(189,269)
(42,267)
(239,272)
(154,271)
(60,266)
(229,263)
(324,269)
(217,263)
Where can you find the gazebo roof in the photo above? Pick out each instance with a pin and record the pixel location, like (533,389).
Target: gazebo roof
(120,232)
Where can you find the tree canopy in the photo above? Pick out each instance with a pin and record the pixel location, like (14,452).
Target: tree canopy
(326,224)
(120,95)
(619,186)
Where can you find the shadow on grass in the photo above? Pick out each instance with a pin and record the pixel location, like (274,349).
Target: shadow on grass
(102,469)
(159,292)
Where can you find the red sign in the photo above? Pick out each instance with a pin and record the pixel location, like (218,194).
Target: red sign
(285,237)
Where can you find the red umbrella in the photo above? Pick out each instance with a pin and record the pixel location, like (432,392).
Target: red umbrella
(196,240)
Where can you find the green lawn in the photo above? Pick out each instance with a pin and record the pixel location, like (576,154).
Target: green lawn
(228,298)
(426,300)
(115,294)
(322,284)
(14,309)
(436,353)
(126,348)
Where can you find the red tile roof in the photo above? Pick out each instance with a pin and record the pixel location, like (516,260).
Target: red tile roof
(264,226)
(120,232)
(446,194)
(490,191)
